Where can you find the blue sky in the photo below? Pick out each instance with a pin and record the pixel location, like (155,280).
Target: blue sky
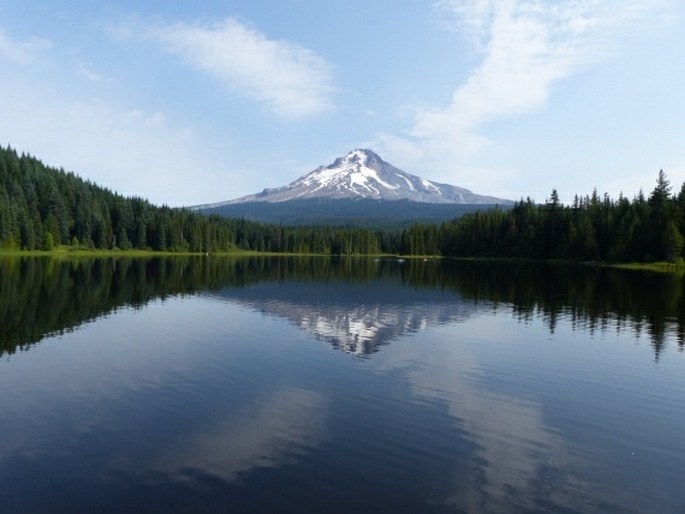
(193,102)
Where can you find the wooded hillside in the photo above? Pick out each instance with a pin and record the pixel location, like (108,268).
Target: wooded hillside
(41,207)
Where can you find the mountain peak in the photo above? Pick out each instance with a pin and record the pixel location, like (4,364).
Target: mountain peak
(359,155)
(356,160)
(363,174)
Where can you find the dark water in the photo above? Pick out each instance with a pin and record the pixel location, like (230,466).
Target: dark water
(339,386)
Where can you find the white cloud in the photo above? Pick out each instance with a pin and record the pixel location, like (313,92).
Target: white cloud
(22,52)
(509,433)
(132,151)
(526,46)
(290,79)
(88,73)
(289,422)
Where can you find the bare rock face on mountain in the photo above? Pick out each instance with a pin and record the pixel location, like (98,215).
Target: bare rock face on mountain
(362,174)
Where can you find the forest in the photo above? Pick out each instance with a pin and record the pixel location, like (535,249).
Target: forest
(592,228)
(42,207)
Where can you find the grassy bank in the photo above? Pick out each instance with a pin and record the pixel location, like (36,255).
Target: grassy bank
(69,251)
(661,267)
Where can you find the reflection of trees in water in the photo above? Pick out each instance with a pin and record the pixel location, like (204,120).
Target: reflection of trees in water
(40,296)
(592,298)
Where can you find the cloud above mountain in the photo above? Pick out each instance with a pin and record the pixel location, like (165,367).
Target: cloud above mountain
(289,79)
(526,48)
(22,52)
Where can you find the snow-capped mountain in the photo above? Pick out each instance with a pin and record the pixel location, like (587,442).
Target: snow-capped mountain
(362,174)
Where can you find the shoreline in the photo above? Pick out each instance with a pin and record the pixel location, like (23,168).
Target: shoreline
(661,267)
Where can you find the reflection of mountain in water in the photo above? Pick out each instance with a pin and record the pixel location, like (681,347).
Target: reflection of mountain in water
(353,317)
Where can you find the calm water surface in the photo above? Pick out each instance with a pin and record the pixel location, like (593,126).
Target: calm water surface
(325,385)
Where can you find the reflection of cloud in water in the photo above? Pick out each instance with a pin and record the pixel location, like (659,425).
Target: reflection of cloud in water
(288,423)
(517,454)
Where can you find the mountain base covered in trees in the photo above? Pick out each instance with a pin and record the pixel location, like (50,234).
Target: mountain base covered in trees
(384,215)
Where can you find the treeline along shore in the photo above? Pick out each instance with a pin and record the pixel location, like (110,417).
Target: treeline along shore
(42,208)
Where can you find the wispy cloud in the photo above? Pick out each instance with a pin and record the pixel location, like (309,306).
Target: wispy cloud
(132,148)
(129,150)
(289,79)
(88,74)
(526,46)
(22,52)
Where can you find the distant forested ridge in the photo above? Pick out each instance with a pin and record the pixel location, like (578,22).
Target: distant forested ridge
(373,214)
(42,207)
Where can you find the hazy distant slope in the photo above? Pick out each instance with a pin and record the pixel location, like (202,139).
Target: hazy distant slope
(346,212)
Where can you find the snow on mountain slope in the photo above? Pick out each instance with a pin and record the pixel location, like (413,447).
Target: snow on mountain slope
(363,174)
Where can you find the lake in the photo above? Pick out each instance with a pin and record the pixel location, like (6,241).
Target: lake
(330,385)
